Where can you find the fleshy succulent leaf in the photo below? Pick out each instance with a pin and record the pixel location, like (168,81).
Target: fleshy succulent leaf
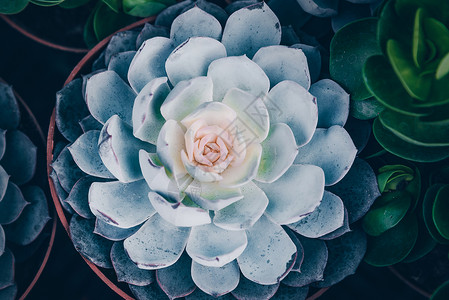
(251,28)
(33,218)
(211,195)
(90,123)
(394,244)
(249,290)
(94,247)
(312,268)
(111,232)
(121,42)
(440,207)
(66,169)
(287,292)
(150,31)
(186,96)
(269,255)
(126,270)
(106,203)
(252,115)
(149,247)
(120,63)
(107,95)
(320,8)
(78,195)
(357,37)
(332,102)
(9,109)
(176,280)
(345,255)
(119,150)
(166,17)
(85,154)
(313,56)
(12,204)
(279,150)
(283,63)
(146,116)
(192,58)
(149,62)
(327,217)
(335,140)
(7,267)
(206,278)
(2,240)
(245,212)
(212,246)
(19,159)
(290,103)
(4,180)
(179,214)
(239,72)
(195,22)
(295,194)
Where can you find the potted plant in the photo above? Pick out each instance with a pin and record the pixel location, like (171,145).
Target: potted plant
(25,237)
(202,131)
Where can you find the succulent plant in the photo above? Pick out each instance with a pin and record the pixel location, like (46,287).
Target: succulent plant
(23,207)
(403,57)
(209,159)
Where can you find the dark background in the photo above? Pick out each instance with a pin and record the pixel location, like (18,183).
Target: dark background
(37,72)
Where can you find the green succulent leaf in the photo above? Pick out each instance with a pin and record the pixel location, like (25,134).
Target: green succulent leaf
(419,43)
(437,8)
(427,208)
(145,8)
(380,219)
(89,33)
(69,4)
(438,33)
(414,131)
(106,21)
(359,39)
(389,18)
(395,145)
(383,83)
(424,244)
(115,5)
(440,211)
(394,244)
(46,2)
(12,7)
(418,85)
(442,292)
(443,67)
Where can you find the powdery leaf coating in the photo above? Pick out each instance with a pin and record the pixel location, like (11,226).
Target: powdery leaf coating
(176,281)
(121,42)
(150,248)
(92,246)
(251,28)
(106,203)
(332,150)
(248,290)
(108,95)
(290,103)
(7,267)
(126,270)
(192,58)
(327,217)
(113,233)
(283,63)
(192,23)
(332,101)
(278,153)
(213,246)
(78,195)
(4,179)
(9,109)
(206,278)
(296,194)
(12,204)
(245,212)
(120,63)
(19,159)
(269,255)
(85,154)
(70,109)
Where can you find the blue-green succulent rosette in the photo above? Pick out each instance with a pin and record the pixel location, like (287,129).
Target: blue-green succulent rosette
(23,206)
(207,161)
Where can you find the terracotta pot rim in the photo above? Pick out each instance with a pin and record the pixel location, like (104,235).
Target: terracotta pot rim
(50,143)
(410,284)
(40,40)
(30,115)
